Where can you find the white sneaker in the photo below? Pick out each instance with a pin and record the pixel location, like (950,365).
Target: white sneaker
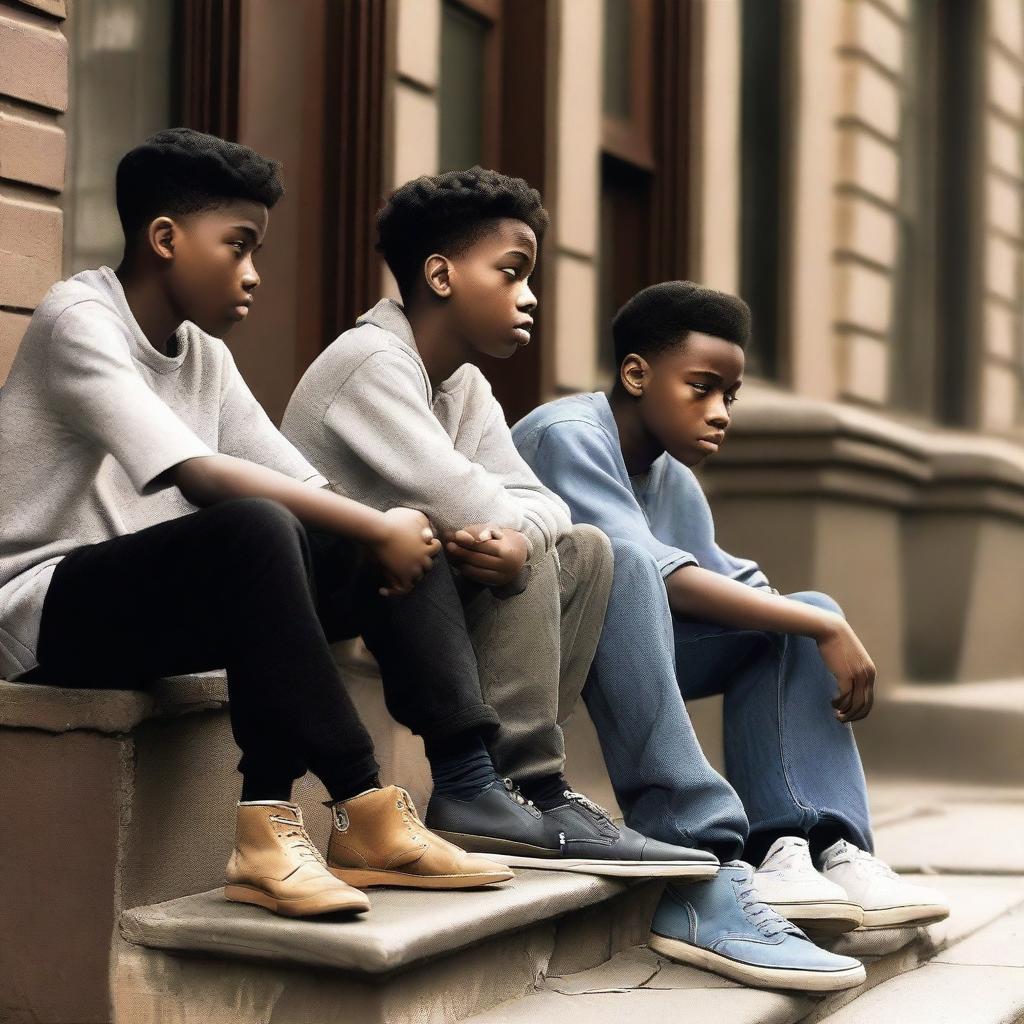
(789,884)
(886,899)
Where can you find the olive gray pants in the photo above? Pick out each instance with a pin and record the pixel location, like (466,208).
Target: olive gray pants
(534,649)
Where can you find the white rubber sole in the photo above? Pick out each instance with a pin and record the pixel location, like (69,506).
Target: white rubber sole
(610,868)
(757,977)
(830,918)
(904,917)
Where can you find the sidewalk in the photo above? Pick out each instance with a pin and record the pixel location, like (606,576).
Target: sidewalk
(966,840)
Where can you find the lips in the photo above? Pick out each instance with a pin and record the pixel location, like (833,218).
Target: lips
(522,332)
(712,442)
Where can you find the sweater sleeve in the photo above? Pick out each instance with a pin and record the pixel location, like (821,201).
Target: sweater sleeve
(579,461)
(93,382)
(381,420)
(546,516)
(247,432)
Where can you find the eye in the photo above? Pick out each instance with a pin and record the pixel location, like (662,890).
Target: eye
(511,271)
(731,400)
(699,387)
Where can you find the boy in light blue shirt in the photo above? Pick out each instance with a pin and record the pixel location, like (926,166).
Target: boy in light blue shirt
(793,673)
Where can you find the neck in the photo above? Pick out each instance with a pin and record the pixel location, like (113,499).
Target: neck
(440,348)
(150,306)
(639,447)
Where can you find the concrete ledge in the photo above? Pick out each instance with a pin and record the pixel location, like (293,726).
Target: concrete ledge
(402,928)
(56,710)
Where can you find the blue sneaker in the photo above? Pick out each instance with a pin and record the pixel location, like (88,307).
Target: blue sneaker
(721,926)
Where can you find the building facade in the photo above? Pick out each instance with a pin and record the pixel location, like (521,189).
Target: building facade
(854,168)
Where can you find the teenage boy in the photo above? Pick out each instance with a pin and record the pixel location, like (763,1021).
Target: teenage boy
(395,412)
(793,672)
(156,523)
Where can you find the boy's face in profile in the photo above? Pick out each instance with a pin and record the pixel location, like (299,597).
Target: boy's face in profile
(212,276)
(687,394)
(491,302)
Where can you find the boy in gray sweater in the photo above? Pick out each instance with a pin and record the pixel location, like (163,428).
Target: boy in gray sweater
(395,412)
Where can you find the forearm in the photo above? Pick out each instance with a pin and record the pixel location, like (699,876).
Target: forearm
(216,478)
(696,593)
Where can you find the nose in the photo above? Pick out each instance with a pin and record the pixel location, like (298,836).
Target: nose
(718,415)
(526,300)
(250,277)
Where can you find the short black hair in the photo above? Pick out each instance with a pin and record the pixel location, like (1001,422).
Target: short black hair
(180,171)
(447,213)
(663,315)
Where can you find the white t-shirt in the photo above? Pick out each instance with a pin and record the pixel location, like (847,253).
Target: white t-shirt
(90,415)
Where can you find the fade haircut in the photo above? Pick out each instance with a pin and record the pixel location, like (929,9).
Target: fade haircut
(663,315)
(179,171)
(446,214)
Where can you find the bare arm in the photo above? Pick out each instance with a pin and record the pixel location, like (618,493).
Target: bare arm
(400,539)
(696,593)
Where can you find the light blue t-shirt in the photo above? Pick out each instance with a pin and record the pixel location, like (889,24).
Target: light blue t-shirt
(572,444)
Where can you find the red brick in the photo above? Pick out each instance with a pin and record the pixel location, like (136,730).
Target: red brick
(32,152)
(30,251)
(33,60)
(12,328)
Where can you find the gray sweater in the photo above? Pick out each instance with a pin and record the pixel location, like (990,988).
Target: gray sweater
(91,417)
(364,414)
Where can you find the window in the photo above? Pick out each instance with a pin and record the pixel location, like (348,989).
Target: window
(469,93)
(122,90)
(761,179)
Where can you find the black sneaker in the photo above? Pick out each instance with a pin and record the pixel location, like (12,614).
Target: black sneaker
(576,836)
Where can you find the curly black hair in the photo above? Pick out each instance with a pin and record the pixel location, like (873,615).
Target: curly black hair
(663,315)
(179,171)
(447,213)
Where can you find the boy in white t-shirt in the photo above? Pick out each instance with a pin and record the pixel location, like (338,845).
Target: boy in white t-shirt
(156,523)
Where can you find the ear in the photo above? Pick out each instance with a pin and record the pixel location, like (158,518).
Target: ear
(161,236)
(437,271)
(634,373)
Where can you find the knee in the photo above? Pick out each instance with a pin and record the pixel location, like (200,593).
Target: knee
(817,600)
(254,523)
(585,552)
(634,563)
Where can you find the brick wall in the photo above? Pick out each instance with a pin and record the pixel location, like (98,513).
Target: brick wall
(871,76)
(1003,227)
(33,91)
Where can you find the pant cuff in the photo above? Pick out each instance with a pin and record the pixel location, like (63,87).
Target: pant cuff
(480,718)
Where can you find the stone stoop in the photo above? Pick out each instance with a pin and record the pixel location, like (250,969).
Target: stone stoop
(424,956)
(915,976)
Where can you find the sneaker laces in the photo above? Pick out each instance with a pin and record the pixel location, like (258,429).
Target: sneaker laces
(516,794)
(303,845)
(766,920)
(867,864)
(590,805)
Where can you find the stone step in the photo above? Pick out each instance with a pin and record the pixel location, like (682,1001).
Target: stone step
(447,954)
(961,732)
(639,982)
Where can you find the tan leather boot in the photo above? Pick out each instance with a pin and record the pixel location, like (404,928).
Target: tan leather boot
(275,865)
(378,839)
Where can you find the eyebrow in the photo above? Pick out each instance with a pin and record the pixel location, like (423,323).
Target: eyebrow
(716,377)
(250,232)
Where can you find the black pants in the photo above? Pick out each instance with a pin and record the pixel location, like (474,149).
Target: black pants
(243,586)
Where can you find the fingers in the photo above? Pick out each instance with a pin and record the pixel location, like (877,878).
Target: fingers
(486,576)
(480,560)
(434,547)
(427,533)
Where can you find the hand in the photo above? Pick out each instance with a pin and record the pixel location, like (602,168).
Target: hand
(405,549)
(487,554)
(854,670)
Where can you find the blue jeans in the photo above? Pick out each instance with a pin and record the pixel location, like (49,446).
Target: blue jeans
(790,763)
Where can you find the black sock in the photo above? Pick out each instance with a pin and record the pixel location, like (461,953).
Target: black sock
(546,792)
(371,780)
(822,836)
(758,843)
(461,766)
(256,788)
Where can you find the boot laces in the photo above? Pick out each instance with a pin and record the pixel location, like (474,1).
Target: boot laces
(767,921)
(516,794)
(410,817)
(303,845)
